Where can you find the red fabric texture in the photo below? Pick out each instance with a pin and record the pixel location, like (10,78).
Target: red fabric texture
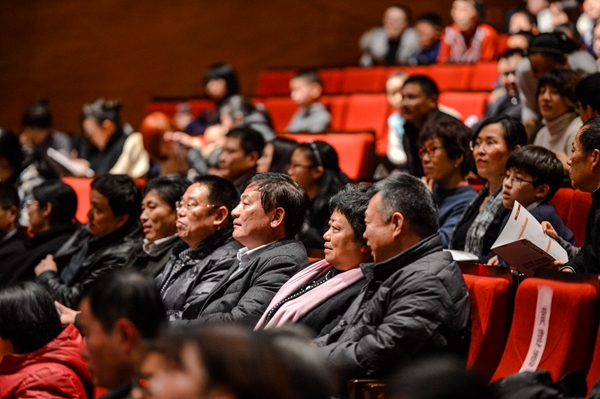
(484,76)
(487,50)
(359,79)
(594,373)
(274,83)
(332,80)
(55,370)
(337,109)
(490,309)
(572,330)
(369,111)
(451,77)
(466,103)
(573,206)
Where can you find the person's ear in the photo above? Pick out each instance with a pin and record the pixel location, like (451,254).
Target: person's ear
(121,220)
(397,224)
(595,158)
(315,91)
(109,126)
(318,172)
(252,157)
(125,334)
(459,160)
(278,217)
(221,215)
(47,210)
(541,191)
(13,212)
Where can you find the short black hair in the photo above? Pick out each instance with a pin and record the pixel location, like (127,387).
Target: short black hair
(169,188)
(28,317)
(101,110)
(283,148)
(430,18)
(563,80)
(555,46)
(221,70)
(455,138)
(250,139)
(352,201)
(514,131)
(221,192)
(511,52)
(62,198)
(426,84)
(129,294)
(9,196)
(539,162)
(586,91)
(37,115)
(310,75)
(123,195)
(530,17)
(10,149)
(279,190)
(590,135)
(409,196)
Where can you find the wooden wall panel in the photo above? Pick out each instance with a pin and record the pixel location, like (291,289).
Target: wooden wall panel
(74,51)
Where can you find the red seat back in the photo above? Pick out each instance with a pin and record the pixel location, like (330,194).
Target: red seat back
(571,332)
(594,372)
(357,79)
(337,106)
(484,77)
(465,103)
(274,83)
(369,111)
(332,80)
(451,77)
(562,202)
(580,207)
(82,187)
(281,110)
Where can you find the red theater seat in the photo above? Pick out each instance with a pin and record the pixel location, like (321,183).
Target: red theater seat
(332,80)
(562,202)
(572,327)
(360,80)
(580,207)
(281,110)
(594,373)
(274,83)
(82,187)
(490,294)
(337,106)
(451,77)
(369,112)
(484,77)
(355,150)
(465,103)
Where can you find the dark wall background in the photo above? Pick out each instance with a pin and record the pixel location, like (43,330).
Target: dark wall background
(73,51)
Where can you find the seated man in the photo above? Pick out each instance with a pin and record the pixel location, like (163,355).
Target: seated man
(12,240)
(418,107)
(207,251)
(108,242)
(312,116)
(586,93)
(269,215)
(242,149)
(415,300)
(507,102)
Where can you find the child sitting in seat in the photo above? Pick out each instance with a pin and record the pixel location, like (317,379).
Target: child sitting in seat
(306,89)
(533,176)
(429,30)
(395,150)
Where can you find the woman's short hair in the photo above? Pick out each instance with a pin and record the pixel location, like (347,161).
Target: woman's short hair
(101,110)
(37,115)
(62,198)
(10,149)
(28,317)
(455,138)
(563,80)
(226,72)
(352,201)
(283,149)
(514,131)
(153,128)
(552,45)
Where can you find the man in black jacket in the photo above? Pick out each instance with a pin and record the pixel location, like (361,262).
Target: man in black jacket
(108,241)
(415,301)
(270,213)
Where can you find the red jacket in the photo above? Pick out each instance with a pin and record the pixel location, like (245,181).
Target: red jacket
(56,370)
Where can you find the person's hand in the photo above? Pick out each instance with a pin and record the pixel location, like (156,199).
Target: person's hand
(46,264)
(494,261)
(428,182)
(67,315)
(184,139)
(549,230)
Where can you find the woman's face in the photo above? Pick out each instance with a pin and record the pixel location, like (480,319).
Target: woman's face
(464,14)
(552,104)
(158,218)
(264,163)
(559,17)
(301,169)
(38,219)
(490,152)
(341,249)
(436,163)
(97,134)
(216,89)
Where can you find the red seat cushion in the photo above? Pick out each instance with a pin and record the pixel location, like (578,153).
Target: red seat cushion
(465,103)
(82,187)
(369,111)
(576,221)
(357,79)
(274,83)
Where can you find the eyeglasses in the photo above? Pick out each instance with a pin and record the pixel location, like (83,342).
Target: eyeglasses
(517,181)
(479,145)
(180,205)
(428,151)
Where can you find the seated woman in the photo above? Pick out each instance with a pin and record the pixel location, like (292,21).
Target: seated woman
(106,147)
(38,358)
(158,222)
(479,225)
(320,294)
(315,167)
(447,161)
(51,209)
(276,155)
(556,99)
(238,111)
(166,157)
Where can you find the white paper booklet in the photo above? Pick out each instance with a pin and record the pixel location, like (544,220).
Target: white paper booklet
(524,245)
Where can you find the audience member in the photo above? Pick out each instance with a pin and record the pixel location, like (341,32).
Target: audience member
(584,171)
(51,207)
(564,11)
(200,153)
(418,108)
(312,116)
(395,151)
(321,293)
(269,215)
(242,149)
(105,146)
(429,30)
(158,219)
(540,9)
(547,51)
(394,43)
(118,315)
(586,93)
(522,21)
(533,175)
(37,358)
(11,157)
(108,242)
(556,99)
(479,224)
(467,40)
(220,83)
(276,155)
(207,251)
(12,240)
(508,103)
(587,22)
(37,134)
(447,160)
(411,275)
(570,31)
(166,156)
(596,42)
(239,112)
(315,167)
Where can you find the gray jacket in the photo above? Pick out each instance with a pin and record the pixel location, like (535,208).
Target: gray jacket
(374,44)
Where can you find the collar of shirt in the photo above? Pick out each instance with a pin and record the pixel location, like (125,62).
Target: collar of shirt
(12,233)
(153,247)
(533,205)
(246,256)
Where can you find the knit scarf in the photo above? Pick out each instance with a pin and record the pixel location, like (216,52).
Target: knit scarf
(489,212)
